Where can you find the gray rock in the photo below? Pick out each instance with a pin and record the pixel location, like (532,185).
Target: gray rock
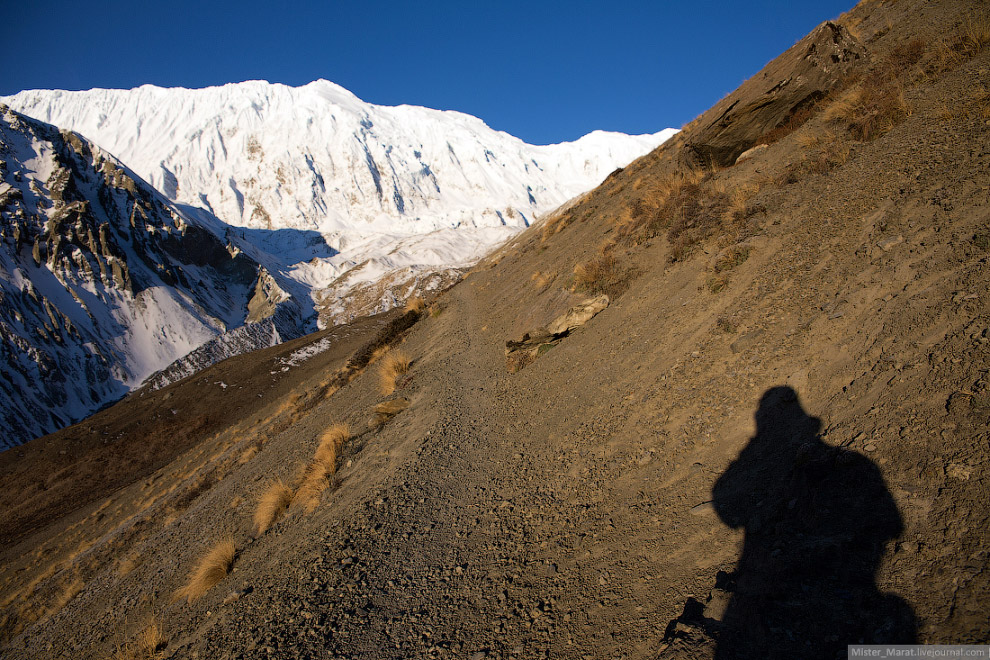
(803,74)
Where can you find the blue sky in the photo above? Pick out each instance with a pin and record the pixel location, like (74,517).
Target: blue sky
(543,71)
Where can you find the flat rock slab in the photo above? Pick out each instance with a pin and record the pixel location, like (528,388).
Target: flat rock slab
(531,345)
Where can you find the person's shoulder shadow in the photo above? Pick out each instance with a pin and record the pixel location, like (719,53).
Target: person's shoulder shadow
(817,520)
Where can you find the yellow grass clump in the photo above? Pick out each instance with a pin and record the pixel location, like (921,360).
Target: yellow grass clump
(248,454)
(394,364)
(378,353)
(129,563)
(212,568)
(871,109)
(318,475)
(330,443)
(147,645)
(315,479)
(68,592)
(272,503)
(416,304)
(599,274)
(150,641)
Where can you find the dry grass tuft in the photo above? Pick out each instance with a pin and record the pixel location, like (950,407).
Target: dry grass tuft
(68,592)
(966,44)
(129,563)
(689,206)
(335,436)
(600,274)
(147,645)
(717,282)
(554,225)
(542,280)
(378,353)
(212,568)
(870,109)
(416,304)
(328,450)
(248,454)
(271,505)
(315,479)
(318,475)
(731,257)
(150,640)
(643,211)
(394,364)
(906,55)
(834,152)
(809,140)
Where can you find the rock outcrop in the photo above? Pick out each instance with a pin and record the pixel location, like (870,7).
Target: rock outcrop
(802,75)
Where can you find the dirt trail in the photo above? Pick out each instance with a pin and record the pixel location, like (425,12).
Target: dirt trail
(429,560)
(485,541)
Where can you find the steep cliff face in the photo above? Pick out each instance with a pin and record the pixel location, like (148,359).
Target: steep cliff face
(102,280)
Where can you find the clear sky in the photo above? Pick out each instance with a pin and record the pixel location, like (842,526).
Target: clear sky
(543,71)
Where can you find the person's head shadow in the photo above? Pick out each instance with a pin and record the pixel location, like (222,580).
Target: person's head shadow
(817,520)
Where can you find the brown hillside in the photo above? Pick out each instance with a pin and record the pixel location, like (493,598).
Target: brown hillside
(772,443)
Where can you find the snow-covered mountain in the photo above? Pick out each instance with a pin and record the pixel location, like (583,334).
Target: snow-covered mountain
(274,206)
(102,280)
(317,181)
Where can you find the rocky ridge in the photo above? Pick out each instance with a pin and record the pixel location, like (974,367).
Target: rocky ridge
(104,281)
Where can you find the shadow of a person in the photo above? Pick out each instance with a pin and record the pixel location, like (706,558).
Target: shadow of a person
(816,520)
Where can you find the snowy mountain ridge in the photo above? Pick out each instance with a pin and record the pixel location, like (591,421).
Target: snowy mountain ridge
(102,280)
(431,189)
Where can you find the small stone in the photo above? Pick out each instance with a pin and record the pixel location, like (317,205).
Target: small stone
(701,509)
(749,153)
(888,243)
(870,447)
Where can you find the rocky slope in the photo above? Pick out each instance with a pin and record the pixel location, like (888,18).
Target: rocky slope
(103,280)
(771,443)
(402,187)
